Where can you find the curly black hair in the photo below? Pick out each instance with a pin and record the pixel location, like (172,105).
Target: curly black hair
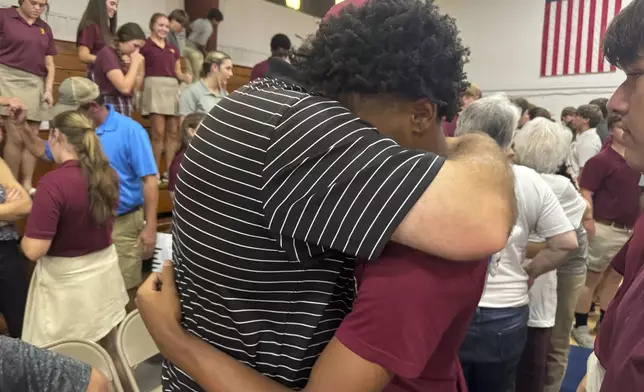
(404,47)
(624,38)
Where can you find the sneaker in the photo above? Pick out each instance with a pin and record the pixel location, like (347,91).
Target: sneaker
(581,335)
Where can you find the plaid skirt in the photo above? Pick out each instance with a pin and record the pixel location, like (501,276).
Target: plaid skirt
(120,103)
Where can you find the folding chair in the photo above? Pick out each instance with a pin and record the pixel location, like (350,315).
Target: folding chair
(135,347)
(90,353)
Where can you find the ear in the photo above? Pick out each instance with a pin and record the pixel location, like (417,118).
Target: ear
(423,116)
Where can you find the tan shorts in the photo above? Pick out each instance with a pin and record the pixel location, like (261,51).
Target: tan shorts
(126,233)
(16,83)
(160,96)
(194,62)
(607,242)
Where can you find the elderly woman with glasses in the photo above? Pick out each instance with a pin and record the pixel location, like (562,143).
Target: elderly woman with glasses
(542,145)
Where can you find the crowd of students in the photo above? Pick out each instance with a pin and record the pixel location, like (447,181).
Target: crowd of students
(327,235)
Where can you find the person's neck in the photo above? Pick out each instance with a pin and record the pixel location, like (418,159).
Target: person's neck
(620,149)
(29,19)
(101,116)
(584,129)
(67,156)
(157,40)
(212,82)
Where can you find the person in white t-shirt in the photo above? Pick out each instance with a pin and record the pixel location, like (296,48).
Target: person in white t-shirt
(542,145)
(587,142)
(497,333)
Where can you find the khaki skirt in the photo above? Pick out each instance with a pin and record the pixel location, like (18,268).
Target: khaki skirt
(75,298)
(160,96)
(16,83)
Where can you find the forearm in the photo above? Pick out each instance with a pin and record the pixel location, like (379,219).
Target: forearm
(87,58)
(140,77)
(15,210)
(35,145)
(492,173)
(534,248)
(545,261)
(49,80)
(150,200)
(213,370)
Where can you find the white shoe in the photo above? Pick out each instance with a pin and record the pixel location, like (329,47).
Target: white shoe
(582,336)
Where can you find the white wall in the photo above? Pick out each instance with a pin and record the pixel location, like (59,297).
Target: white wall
(65,14)
(505,39)
(249,25)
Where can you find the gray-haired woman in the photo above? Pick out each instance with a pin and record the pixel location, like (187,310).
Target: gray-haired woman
(542,145)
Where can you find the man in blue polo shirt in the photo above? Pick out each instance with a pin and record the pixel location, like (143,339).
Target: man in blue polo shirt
(127,147)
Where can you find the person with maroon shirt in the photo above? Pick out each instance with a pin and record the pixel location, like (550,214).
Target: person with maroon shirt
(27,71)
(280,47)
(618,361)
(118,68)
(612,188)
(188,130)
(96,29)
(69,235)
(161,86)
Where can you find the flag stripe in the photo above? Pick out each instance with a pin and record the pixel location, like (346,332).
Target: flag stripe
(591,36)
(618,7)
(555,47)
(566,63)
(580,28)
(544,42)
(604,22)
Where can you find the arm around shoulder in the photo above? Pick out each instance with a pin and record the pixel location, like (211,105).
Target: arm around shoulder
(469,209)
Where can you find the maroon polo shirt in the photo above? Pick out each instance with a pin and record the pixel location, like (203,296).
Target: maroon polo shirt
(107,60)
(174,170)
(61,213)
(92,38)
(620,343)
(259,70)
(449,127)
(25,46)
(160,61)
(411,315)
(615,187)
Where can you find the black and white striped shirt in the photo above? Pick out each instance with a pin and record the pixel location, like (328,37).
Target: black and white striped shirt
(278,193)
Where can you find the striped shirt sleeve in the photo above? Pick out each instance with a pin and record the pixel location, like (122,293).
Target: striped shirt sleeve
(333,183)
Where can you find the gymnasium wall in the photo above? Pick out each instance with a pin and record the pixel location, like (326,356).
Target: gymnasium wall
(249,25)
(505,40)
(64,15)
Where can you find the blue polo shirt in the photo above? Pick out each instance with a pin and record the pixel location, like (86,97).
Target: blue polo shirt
(127,147)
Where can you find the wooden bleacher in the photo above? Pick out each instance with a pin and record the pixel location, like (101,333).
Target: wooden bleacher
(68,65)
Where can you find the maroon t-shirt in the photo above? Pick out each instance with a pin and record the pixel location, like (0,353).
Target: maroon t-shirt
(449,127)
(615,187)
(174,170)
(259,70)
(411,315)
(620,343)
(25,46)
(107,60)
(160,61)
(92,38)
(61,213)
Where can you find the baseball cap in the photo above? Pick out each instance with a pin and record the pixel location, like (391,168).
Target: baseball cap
(74,92)
(335,10)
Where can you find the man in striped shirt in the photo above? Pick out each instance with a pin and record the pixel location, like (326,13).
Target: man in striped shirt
(284,185)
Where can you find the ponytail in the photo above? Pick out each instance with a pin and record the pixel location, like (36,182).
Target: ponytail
(102,182)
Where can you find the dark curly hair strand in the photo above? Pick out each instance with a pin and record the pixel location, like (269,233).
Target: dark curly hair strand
(404,47)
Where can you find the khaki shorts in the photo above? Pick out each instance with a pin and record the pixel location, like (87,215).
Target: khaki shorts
(160,96)
(194,62)
(16,83)
(607,242)
(126,233)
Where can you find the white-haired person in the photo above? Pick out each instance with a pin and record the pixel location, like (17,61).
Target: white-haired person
(543,145)
(498,331)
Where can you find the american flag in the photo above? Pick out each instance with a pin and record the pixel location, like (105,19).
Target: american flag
(572,36)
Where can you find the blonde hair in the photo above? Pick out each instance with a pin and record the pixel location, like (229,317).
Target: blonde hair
(473,91)
(102,182)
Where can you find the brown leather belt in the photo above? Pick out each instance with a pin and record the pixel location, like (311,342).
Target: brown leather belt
(614,224)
